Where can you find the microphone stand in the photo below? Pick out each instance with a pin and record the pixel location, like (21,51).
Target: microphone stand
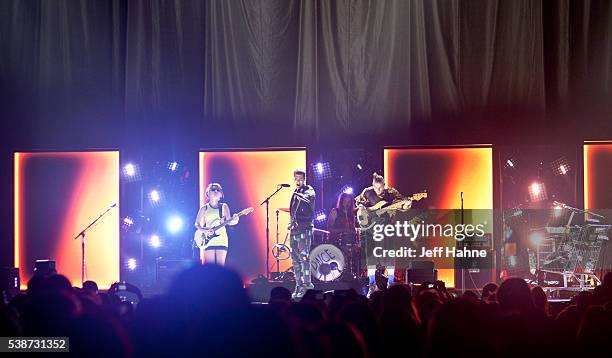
(463,258)
(277,260)
(267,202)
(82,236)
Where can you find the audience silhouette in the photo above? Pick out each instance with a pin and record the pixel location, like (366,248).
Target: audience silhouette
(207,312)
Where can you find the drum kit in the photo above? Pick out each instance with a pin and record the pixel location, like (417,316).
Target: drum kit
(333,257)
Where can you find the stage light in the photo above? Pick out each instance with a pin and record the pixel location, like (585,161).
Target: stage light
(131,264)
(535,188)
(127,223)
(172,166)
(510,164)
(154,241)
(154,196)
(536,237)
(321,170)
(320,216)
(359,167)
(131,172)
(560,166)
(174,224)
(537,192)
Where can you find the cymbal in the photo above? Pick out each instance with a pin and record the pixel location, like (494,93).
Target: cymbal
(286,210)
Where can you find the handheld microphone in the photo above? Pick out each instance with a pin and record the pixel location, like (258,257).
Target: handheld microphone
(284,185)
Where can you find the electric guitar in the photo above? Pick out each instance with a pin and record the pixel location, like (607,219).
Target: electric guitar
(368,216)
(203,237)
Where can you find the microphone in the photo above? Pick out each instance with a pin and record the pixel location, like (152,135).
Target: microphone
(284,185)
(115,204)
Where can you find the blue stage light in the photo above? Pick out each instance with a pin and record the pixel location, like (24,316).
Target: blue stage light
(131,264)
(154,241)
(172,166)
(174,224)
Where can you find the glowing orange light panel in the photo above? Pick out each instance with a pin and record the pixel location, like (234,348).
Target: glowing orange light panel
(248,177)
(597,175)
(57,194)
(444,173)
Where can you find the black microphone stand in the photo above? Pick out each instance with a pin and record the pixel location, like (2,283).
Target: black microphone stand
(267,202)
(82,236)
(277,256)
(462,259)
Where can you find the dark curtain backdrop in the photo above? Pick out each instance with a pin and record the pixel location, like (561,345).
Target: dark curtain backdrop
(101,73)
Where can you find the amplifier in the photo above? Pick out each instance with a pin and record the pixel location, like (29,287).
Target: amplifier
(421,271)
(9,279)
(472,273)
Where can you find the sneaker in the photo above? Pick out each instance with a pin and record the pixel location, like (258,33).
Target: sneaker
(299,292)
(373,288)
(309,286)
(296,292)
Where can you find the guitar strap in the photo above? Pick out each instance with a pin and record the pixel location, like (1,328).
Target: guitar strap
(220,208)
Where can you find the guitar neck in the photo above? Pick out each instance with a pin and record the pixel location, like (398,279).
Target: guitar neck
(399,203)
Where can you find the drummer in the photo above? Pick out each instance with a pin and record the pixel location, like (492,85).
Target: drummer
(341,220)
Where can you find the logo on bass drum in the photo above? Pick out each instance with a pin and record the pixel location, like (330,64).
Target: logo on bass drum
(326,262)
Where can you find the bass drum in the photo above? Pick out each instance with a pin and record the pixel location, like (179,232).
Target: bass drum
(326,263)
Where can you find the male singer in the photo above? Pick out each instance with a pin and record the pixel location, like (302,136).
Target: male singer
(302,214)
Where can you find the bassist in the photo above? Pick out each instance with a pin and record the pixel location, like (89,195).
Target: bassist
(369,197)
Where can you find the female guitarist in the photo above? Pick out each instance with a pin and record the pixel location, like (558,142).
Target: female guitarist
(211,214)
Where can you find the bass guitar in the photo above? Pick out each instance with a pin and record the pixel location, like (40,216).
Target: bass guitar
(368,216)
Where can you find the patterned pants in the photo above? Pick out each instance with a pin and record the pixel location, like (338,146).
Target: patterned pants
(300,255)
